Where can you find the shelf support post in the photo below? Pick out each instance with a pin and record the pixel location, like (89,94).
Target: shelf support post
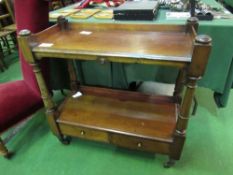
(74,83)
(51,111)
(196,69)
(191,27)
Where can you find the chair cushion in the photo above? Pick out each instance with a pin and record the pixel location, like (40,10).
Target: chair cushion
(17,101)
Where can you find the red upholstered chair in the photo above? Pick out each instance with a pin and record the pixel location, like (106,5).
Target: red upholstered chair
(21,98)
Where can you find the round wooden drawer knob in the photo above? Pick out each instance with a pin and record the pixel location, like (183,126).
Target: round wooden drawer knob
(139,145)
(82,133)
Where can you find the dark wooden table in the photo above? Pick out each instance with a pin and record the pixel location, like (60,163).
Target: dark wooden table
(129,119)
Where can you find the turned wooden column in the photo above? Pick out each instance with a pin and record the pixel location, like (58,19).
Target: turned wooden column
(51,112)
(74,83)
(195,71)
(191,27)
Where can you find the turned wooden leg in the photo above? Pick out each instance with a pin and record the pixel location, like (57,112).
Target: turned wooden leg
(65,140)
(195,71)
(51,110)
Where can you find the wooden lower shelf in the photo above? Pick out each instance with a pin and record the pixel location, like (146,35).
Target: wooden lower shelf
(112,116)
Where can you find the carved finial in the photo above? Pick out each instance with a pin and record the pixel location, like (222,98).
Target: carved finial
(62,23)
(25,32)
(192,20)
(203,39)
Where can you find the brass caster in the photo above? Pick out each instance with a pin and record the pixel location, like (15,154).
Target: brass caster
(65,140)
(169,163)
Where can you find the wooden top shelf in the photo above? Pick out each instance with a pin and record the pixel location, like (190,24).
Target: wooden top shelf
(115,111)
(137,42)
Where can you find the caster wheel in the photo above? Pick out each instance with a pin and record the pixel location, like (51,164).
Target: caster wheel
(65,140)
(9,155)
(217,100)
(133,86)
(169,163)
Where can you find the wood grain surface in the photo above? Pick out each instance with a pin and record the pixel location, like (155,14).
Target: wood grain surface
(129,116)
(147,41)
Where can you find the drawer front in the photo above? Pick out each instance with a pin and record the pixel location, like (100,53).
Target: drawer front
(139,143)
(85,133)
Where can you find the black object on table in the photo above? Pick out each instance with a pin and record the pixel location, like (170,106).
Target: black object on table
(136,10)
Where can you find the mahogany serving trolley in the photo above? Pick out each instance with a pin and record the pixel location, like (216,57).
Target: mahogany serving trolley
(124,118)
